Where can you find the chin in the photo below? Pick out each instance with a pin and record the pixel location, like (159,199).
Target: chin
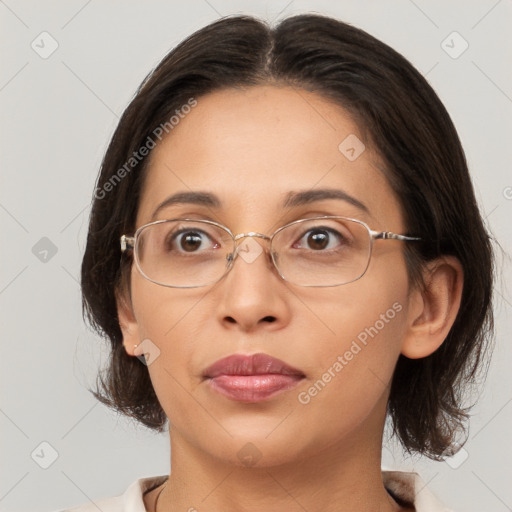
(254,447)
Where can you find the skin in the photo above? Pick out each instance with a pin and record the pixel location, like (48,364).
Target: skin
(251,147)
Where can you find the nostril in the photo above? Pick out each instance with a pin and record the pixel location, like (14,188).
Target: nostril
(269,319)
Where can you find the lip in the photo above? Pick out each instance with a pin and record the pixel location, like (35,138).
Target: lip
(251,378)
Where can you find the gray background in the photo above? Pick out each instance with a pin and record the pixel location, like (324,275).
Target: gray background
(57,116)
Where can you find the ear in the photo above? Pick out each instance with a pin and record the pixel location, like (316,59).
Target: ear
(128,324)
(433,310)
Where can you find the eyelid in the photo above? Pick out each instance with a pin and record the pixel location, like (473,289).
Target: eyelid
(187,229)
(339,209)
(282,221)
(327,225)
(171,213)
(354,213)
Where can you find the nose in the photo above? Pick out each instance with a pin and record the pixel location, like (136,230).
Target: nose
(252,295)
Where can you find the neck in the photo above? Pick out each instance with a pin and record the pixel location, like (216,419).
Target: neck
(341,478)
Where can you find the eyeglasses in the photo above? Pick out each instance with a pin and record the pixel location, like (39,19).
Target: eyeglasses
(317,251)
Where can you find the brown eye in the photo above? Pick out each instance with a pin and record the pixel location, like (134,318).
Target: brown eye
(190,241)
(318,240)
(321,239)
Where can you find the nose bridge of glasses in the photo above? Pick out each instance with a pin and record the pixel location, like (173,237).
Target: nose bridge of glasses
(241,236)
(249,252)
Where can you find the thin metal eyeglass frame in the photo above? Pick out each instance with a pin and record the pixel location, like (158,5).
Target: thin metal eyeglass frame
(129,242)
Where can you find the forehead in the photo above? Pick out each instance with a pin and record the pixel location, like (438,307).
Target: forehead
(252,147)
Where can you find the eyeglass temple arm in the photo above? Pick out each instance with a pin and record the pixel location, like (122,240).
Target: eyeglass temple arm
(388,235)
(127,242)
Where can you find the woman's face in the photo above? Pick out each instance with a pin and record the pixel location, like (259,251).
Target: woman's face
(252,149)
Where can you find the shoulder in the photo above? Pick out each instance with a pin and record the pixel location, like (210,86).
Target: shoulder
(410,489)
(113,504)
(130,501)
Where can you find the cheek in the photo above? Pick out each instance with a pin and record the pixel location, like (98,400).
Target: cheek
(352,367)
(170,320)
(372,308)
(355,366)
(160,311)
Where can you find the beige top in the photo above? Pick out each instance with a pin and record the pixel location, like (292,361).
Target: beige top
(407,487)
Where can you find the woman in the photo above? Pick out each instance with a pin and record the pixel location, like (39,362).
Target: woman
(279,251)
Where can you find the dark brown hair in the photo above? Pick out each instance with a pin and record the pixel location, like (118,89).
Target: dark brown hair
(400,116)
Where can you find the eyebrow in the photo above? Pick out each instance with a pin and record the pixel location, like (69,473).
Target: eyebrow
(292,199)
(199,198)
(301,198)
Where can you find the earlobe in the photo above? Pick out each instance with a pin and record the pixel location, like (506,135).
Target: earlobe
(433,309)
(129,326)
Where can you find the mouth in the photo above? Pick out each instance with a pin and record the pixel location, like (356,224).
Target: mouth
(251,378)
